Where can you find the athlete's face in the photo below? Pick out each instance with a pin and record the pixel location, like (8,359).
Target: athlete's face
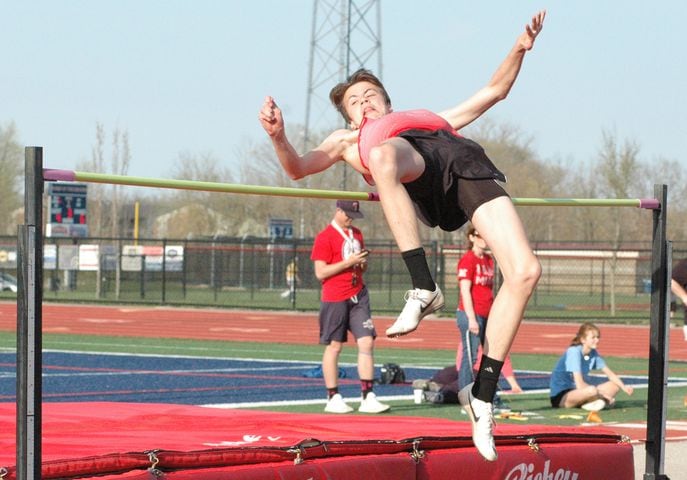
(364,99)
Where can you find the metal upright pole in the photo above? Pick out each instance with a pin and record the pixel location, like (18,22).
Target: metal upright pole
(658,342)
(29,320)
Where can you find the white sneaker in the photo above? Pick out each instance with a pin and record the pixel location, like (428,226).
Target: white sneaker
(595,405)
(285,293)
(370,404)
(482,417)
(419,304)
(336,404)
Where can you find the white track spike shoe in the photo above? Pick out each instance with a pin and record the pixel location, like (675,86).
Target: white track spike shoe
(419,304)
(482,416)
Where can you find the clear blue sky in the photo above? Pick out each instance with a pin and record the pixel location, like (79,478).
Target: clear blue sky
(189,76)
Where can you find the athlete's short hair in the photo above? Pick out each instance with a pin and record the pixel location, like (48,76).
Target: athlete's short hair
(336,95)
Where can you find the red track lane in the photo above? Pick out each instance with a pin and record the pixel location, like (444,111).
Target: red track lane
(301,328)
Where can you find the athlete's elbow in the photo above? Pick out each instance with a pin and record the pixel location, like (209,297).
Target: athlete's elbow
(294,173)
(500,93)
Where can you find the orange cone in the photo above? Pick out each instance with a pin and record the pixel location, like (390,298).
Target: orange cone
(594,417)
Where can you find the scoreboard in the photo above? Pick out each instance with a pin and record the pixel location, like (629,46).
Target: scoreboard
(67,210)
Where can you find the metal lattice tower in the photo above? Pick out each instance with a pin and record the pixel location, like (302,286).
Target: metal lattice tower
(346,35)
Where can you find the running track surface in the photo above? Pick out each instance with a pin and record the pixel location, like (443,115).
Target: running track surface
(302,328)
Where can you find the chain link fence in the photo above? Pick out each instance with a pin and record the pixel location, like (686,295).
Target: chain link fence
(579,281)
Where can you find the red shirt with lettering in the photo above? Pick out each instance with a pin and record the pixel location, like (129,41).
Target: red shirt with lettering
(480,271)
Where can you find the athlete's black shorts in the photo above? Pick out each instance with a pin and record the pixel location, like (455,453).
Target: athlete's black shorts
(458,178)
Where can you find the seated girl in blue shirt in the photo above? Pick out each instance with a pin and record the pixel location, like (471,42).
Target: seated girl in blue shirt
(571,385)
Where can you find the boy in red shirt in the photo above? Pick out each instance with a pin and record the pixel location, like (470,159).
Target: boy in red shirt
(340,261)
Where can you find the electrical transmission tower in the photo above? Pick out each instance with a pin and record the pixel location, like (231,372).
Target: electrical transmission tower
(346,35)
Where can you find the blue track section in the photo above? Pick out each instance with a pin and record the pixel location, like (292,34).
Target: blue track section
(84,377)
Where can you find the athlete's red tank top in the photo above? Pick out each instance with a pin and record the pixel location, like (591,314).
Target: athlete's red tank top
(374,131)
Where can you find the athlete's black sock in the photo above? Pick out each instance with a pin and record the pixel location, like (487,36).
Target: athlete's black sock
(487,379)
(332,391)
(366,387)
(418,268)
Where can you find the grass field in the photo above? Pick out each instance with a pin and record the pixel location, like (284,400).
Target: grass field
(536,405)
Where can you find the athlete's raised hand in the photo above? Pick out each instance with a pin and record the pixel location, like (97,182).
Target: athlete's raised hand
(271,118)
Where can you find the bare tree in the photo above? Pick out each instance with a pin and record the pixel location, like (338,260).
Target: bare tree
(119,165)
(619,172)
(12,168)
(620,176)
(582,222)
(95,195)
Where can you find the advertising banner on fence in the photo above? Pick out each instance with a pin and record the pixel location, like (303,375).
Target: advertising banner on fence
(68,257)
(134,257)
(49,257)
(89,257)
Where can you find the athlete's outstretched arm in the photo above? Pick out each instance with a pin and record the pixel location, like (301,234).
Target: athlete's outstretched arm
(501,82)
(298,166)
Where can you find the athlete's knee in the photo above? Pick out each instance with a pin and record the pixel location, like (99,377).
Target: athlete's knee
(525,274)
(383,161)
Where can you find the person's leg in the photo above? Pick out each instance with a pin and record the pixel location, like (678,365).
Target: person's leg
(466,362)
(608,390)
(361,326)
(392,164)
(366,366)
(330,372)
(477,363)
(330,365)
(368,402)
(499,224)
(333,335)
(579,396)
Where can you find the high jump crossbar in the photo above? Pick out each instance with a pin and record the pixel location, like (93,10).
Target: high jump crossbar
(30,295)
(50,174)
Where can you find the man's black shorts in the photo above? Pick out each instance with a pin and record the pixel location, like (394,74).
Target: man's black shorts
(458,178)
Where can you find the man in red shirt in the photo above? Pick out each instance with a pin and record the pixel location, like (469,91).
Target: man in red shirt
(340,261)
